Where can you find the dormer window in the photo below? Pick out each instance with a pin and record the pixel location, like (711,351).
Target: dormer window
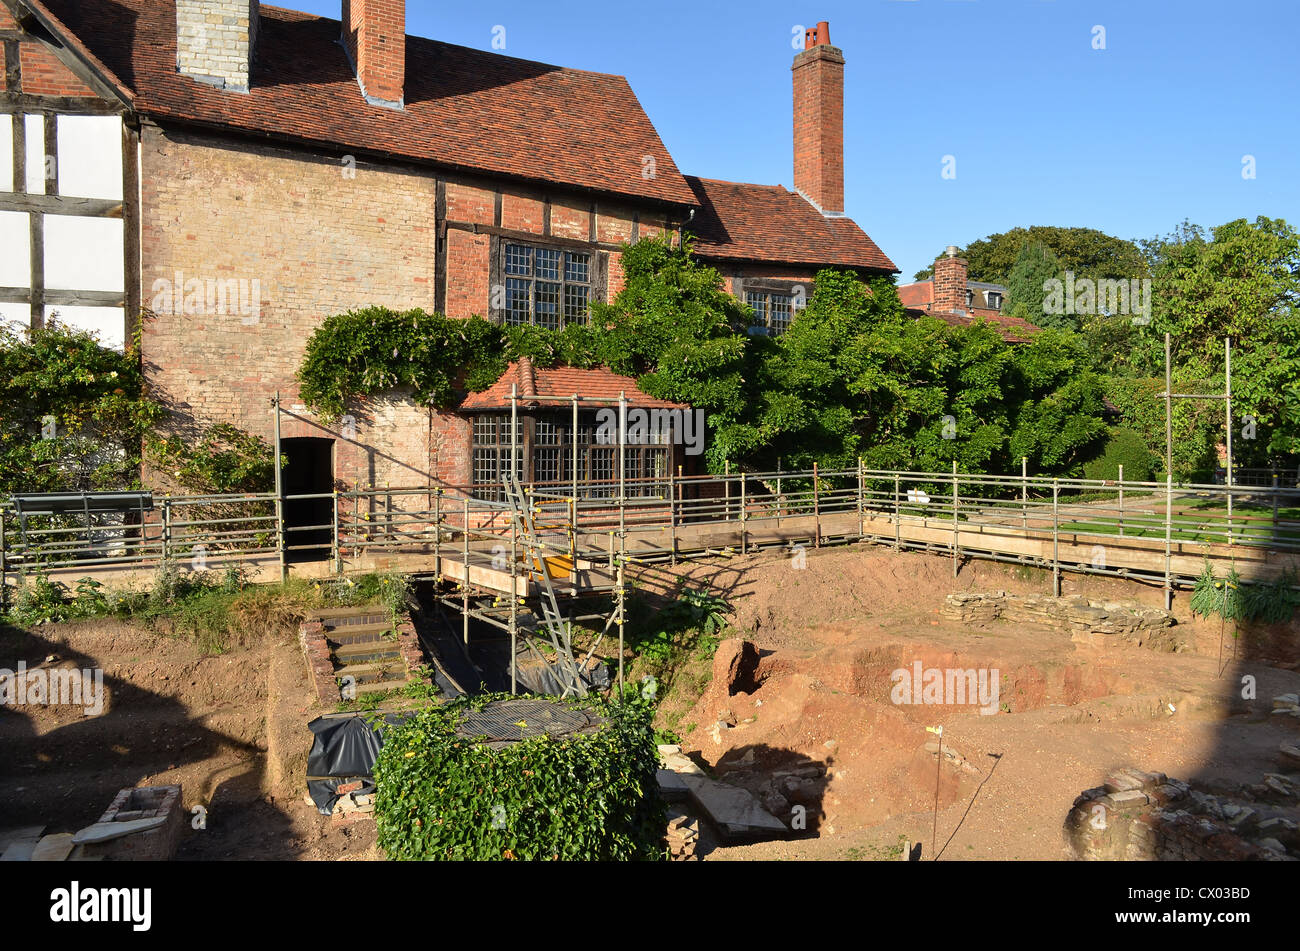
(995,300)
(970,298)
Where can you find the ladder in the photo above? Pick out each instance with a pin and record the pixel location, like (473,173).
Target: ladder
(521,512)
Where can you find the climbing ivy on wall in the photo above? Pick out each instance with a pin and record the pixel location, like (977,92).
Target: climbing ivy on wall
(369,351)
(855,376)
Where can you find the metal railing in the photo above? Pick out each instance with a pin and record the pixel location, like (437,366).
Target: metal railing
(670,518)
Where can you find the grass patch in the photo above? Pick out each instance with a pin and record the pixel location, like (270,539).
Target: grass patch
(882,852)
(1202,523)
(672,650)
(217,611)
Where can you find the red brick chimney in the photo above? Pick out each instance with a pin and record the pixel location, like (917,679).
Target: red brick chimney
(374,34)
(819,121)
(949,283)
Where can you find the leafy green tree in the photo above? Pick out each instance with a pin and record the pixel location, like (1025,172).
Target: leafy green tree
(1240,280)
(1056,405)
(72,414)
(1035,265)
(1085,251)
(675,328)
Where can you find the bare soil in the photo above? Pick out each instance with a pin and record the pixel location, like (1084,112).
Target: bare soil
(830,636)
(230,729)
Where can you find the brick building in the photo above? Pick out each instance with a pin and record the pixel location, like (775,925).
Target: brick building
(955,299)
(276,168)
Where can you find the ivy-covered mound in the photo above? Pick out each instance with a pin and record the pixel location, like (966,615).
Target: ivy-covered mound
(589,795)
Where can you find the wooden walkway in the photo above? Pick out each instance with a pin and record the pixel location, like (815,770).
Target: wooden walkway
(468,542)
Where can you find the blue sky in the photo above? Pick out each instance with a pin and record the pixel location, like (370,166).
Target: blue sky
(1044,128)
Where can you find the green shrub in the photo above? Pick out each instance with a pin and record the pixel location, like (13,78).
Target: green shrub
(1126,448)
(584,796)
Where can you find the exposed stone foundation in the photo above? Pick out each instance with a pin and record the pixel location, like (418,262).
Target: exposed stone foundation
(1144,816)
(1081,617)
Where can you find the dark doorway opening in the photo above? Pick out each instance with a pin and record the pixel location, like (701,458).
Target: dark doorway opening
(308,470)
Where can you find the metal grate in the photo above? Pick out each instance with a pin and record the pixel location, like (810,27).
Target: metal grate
(500,720)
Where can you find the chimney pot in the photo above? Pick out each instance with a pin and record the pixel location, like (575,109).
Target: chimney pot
(820,35)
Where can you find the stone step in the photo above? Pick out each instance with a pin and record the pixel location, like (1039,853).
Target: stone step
(370,673)
(381,686)
(21,843)
(357,633)
(328,615)
(351,653)
(54,848)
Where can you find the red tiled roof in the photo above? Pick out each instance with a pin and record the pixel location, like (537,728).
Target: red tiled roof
(465,108)
(916,295)
(918,299)
(769,223)
(539,386)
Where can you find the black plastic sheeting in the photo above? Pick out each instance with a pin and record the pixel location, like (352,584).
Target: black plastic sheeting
(343,751)
(546,680)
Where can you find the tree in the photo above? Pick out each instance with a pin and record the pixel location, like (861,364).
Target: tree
(72,413)
(1035,266)
(1239,280)
(675,327)
(854,376)
(1056,405)
(1087,252)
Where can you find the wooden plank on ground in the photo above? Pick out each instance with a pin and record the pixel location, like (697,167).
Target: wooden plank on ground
(53,848)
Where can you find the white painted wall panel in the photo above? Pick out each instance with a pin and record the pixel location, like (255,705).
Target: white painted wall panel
(15,250)
(90,156)
(83,254)
(106,323)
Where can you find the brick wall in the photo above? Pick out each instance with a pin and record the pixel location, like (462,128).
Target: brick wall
(145,802)
(819,126)
(316,242)
(44,75)
(305,236)
(949,284)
